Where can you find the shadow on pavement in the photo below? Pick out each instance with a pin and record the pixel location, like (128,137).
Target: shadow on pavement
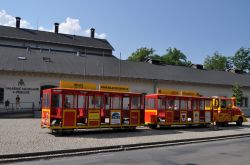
(107,133)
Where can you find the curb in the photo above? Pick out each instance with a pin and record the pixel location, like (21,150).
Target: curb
(87,151)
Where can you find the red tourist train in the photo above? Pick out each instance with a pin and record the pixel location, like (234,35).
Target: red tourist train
(80,106)
(109,107)
(170,107)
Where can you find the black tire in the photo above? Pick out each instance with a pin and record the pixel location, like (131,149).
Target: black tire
(132,128)
(218,124)
(62,132)
(152,126)
(225,124)
(239,122)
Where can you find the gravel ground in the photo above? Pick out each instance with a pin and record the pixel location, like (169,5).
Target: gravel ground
(26,136)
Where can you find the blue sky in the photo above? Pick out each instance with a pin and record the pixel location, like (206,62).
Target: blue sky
(197,27)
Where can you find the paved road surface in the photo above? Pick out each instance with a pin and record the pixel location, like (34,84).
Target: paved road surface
(19,136)
(227,152)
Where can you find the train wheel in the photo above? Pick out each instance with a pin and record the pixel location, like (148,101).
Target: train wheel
(219,124)
(239,122)
(61,132)
(132,128)
(225,124)
(152,126)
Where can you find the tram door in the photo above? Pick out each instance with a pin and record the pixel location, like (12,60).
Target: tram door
(105,110)
(125,114)
(176,110)
(115,112)
(161,110)
(169,110)
(82,113)
(94,109)
(69,111)
(135,110)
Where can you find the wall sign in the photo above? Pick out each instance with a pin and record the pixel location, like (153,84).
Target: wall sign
(21,88)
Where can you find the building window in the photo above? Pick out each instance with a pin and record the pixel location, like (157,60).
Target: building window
(1,95)
(244,102)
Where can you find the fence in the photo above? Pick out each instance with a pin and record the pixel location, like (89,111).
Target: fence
(22,107)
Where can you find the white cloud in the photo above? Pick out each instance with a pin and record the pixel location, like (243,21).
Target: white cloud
(44,29)
(70,26)
(9,20)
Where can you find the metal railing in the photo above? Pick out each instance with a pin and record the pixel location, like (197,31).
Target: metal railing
(21,107)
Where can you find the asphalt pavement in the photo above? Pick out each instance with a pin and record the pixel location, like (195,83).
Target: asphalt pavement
(225,152)
(25,137)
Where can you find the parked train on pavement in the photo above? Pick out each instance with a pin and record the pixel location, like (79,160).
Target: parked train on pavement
(80,106)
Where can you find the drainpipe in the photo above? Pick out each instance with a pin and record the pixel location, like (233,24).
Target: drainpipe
(155,85)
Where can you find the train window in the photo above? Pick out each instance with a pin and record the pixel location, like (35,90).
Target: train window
(202,105)
(107,102)
(194,105)
(95,102)
(208,104)
(216,103)
(46,100)
(229,103)
(68,101)
(136,103)
(183,105)
(169,104)
(176,105)
(125,103)
(189,105)
(226,104)
(150,103)
(91,102)
(161,104)
(81,101)
(98,101)
(223,103)
(56,100)
(116,102)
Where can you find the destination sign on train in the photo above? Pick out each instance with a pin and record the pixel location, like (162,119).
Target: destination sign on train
(189,93)
(109,87)
(77,85)
(167,91)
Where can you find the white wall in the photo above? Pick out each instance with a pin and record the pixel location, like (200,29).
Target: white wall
(35,80)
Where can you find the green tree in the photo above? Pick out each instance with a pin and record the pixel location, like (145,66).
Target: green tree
(216,62)
(241,59)
(238,93)
(141,54)
(175,57)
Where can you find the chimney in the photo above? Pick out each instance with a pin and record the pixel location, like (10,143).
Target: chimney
(197,66)
(92,30)
(56,27)
(18,19)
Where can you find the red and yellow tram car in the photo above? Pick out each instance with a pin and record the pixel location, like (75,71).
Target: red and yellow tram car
(225,111)
(170,107)
(108,107)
